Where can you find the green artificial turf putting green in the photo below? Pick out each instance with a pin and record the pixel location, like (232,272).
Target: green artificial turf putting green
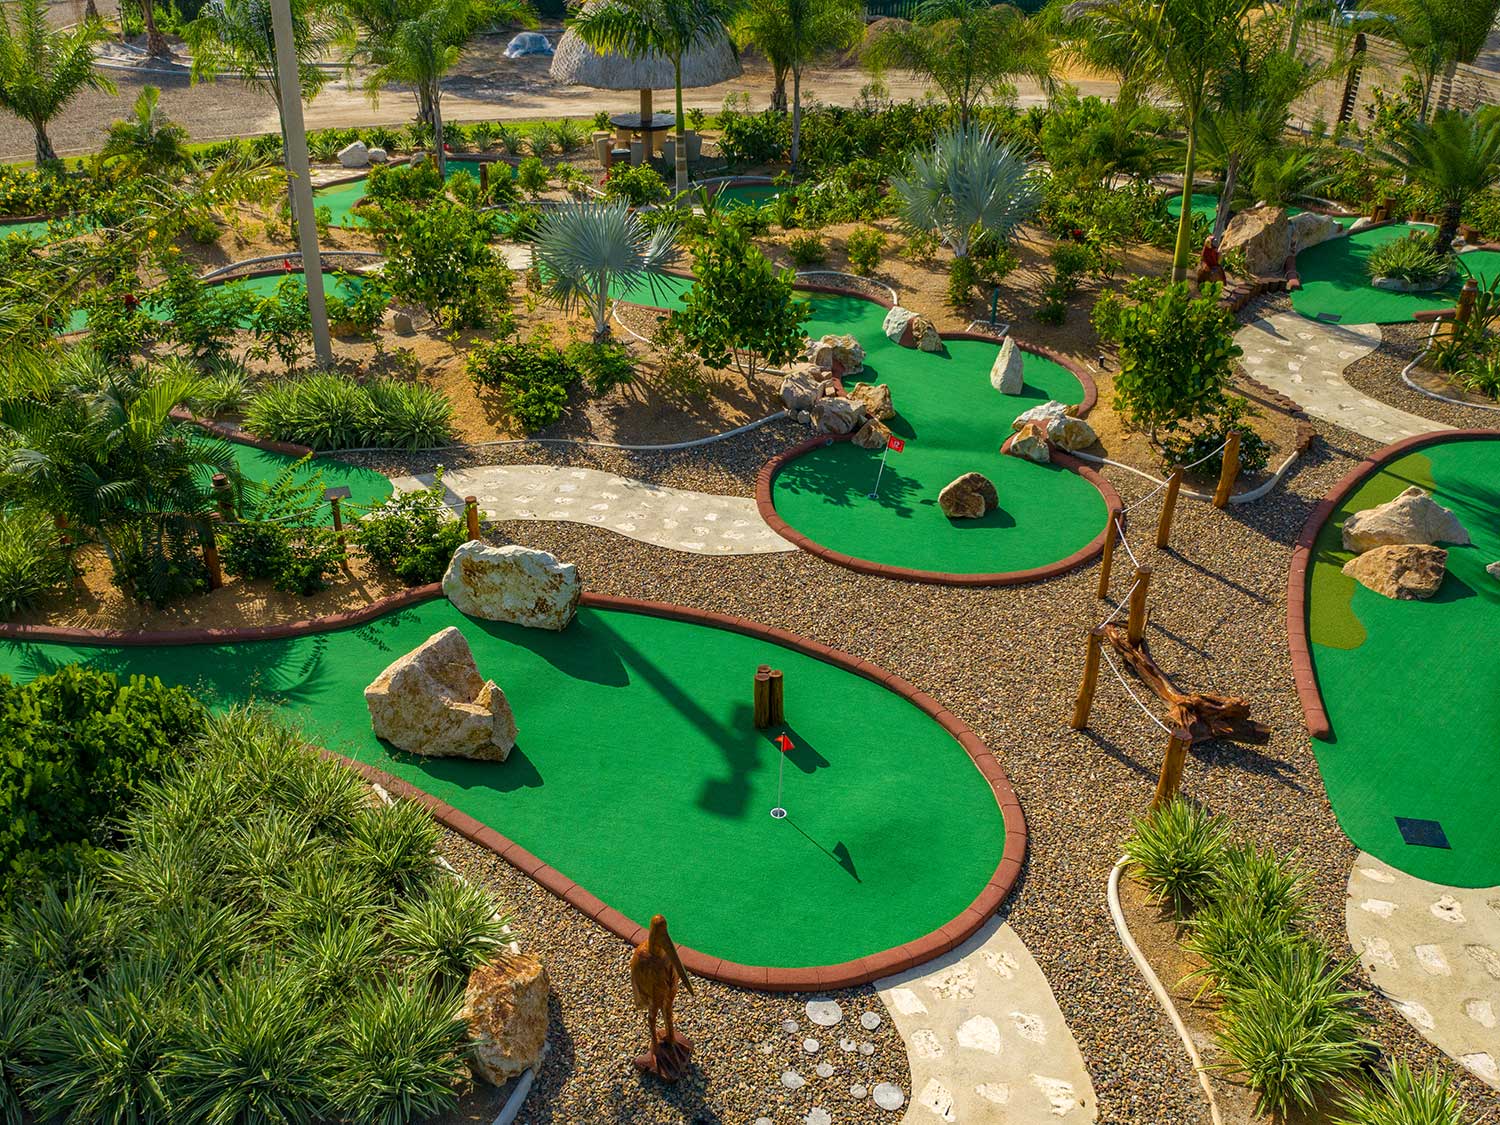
(747,195)
(366,487)
(1410,687)
(1335,282)
(954,422)
(639,775)
(1205,206)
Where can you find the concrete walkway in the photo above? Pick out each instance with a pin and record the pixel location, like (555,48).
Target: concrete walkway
(699,523)
(1305,360)
(1433,952)
(985,1038)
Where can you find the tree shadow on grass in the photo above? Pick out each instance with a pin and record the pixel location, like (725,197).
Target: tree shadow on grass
(836,478)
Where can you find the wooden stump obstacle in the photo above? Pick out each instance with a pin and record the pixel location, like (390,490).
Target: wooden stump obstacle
(471,515)
(769,698)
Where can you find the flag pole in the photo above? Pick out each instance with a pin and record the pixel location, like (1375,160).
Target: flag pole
(783,744)
(875,492)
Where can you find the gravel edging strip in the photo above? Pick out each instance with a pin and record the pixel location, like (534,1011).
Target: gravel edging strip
(1315,715)
(767,978)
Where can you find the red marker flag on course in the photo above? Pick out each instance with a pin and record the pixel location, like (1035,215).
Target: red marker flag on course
(785,743)
(895,444)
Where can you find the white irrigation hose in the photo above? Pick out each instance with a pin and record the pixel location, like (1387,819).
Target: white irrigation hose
(1163,997)
(1421,390)
(1238,498)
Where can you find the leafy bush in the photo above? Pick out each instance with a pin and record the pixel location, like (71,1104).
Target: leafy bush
(439,256)
(404,183)
(202,318)
(748,139)
(640,184)
(807,250)
(364,309)
(32,560)
(1403,1097)
(1414,259)
(532,378)
(328,410)
(603,366)
(1198,443)
(90,742)
(278,535)
(1481,372)
(282,323)
(1179,848)
(1070,261)
(413,535)
(864,247)
(531,176)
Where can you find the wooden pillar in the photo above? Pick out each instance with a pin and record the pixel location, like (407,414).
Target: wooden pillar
(1106,560)
(1466,301)
(1171,767)
(1135,627)
(471,514)
(211,558)
(224,497)
(336,502)
(1168,509)
(484,176)
(778,697)
(1085,701)
(1229,470)
(762,697)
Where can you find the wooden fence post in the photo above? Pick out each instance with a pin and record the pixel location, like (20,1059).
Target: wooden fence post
(778,698)
(1168,509)
(1170,781)
(762,697)
(1466,299)
(471,514)
(1135,627)
(1229,470)
(484,176)
(1106,560)
(1085,701)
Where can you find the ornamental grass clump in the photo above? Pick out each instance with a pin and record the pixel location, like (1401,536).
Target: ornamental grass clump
(1179,849)
(1414,259)
(1400,1096)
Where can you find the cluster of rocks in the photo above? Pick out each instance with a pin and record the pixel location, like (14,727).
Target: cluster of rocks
(911,330)
(825,1015)
(1269,237)
(1396,545)
(814,394)
(1036,432)
(357,154)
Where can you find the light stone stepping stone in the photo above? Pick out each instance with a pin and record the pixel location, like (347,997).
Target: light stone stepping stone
(1434,953)
(789,1026)
(824,1013)
(869,1020)
(818,1116)
(848,1046)
(867,1049)
(857,1092)
(811,1046)
(792,1080)
(824,1070)
(889,1097)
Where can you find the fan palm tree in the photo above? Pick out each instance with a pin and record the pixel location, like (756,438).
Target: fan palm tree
(587,251)
(1455,156)
(637,28)
(42,69)
(1180,48)
(1435,36)
(147,141)
(968,49)
(792,34)
(969,187)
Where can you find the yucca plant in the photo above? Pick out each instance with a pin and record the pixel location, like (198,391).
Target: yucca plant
(22,1006)
(969,187)
(408,415)
(1179,848)
(394,846)
(396,1053)
(324,410)
(327,800)
(1234,938)
(447,932)
(1400,1096)
(1261,877)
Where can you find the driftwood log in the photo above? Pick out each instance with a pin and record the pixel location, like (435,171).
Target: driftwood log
(1204,715)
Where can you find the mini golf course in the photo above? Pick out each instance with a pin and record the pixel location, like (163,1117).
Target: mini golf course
(953,421)
(640,776)
(1205,206)
(367,488)
(747,195)
(1336,285)
(341,199)
(1411,687)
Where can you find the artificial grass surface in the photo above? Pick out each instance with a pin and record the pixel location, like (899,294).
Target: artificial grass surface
(953,422)
(747,195)
(1411,687)
(342,285)
(639,775)
(1205,206)
(366,487)
(1335,282)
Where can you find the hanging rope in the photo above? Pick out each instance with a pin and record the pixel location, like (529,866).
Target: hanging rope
(1128,691)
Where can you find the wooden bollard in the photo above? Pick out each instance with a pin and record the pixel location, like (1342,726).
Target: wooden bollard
(224,497)
(1168,509)
(1466,299)
(1171,767)
(1085,701)
(336,503)
(1107,559)
(471,514)
(484,175)
(1135,626)
(211,558)
(778,698)
(1229,470)
(762,698)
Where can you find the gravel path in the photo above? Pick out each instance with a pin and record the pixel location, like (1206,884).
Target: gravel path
(1007,662)
(1379,376)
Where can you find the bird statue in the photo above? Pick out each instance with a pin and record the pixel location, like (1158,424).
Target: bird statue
(655,972)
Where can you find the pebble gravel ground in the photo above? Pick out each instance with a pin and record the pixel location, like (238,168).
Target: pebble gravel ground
(1379,376)
(1007,661)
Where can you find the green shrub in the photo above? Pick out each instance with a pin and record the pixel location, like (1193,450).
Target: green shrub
(748,139)
(413,535)
(1414,259)
(1070,262)
(602,366)
(531,176)
(328,410)
(282,323)
(569,135)
(806,250)
(32,560)
(531,377)
(297,560)
(1179,849)
(864,247)
(640,184)
(90,742)
(1481,372)
(1400,1096)
(1185,443)
(512,140)
(439,256)
(364,309)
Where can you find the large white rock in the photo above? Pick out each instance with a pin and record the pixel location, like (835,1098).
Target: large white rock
(1311,228)
(800,387)
(354,155)
(1070,434)
(517,584)
(895,324)
(1264,235)
(1407,571)
(838,415)
(876,398)
(1412,517)
(1043,415)
(505,1006)
(1006,374)
(836,353)
(433,701)
(1030,442)
(379,156)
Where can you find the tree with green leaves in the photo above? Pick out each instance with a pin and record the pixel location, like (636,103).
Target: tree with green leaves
(42,69)
(1434,36)
(147,141)
(740,306)
(638,28)
(968,49)
(1454,157)
(589,252)
(1179,48)
(969,188)
(793,34)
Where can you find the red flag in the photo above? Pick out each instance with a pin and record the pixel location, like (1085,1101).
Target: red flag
(895,444)
(286,264)
(785,743)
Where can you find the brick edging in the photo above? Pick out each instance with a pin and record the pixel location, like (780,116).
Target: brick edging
(762,977)
(1314,714)
(241,437)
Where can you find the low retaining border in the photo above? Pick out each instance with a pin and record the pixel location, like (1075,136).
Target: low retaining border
(1314,714)
(761,977)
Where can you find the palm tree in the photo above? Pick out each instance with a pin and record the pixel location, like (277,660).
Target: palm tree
(968,49)
(1436,35)
(42,70)
(969,187)
(416,43)
(1455,157)
(147,141)
(588,251)
(156,42)
(637,28)
(1178,47)
(792,34)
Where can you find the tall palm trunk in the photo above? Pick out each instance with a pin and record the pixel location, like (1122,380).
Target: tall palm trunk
(796,115)
(1226,196)
(1182,251)
(1448,231)
(681,148)
(156,42)
(602,331)
(90,10)
(778,87)
(437,132)
(45,153)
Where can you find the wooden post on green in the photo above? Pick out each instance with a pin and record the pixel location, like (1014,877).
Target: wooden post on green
(1085,701)
(1168,509)
(762,697)
(778,698)
(484,177)
(1229,470)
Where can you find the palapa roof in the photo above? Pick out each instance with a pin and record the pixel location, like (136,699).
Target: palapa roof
(575,63)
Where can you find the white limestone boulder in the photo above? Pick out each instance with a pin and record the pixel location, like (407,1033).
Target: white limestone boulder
(895,326)
(505,1007)
(433,701)
(1264,235)
(1070,434)
(1006,374)
(1412,517)
(969,497)
(1043,415)
(876,398)
(1407,571)
(837,415)
(1311,228)
(356,154)
(513,583)
(1030,442)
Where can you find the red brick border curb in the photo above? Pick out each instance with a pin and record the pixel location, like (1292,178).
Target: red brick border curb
(1314,715)
(762,977)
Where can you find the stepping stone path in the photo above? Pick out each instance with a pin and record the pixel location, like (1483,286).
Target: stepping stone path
(1306,359)
(699,523)
(1434,953)
(829,1014)
(985,1038)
